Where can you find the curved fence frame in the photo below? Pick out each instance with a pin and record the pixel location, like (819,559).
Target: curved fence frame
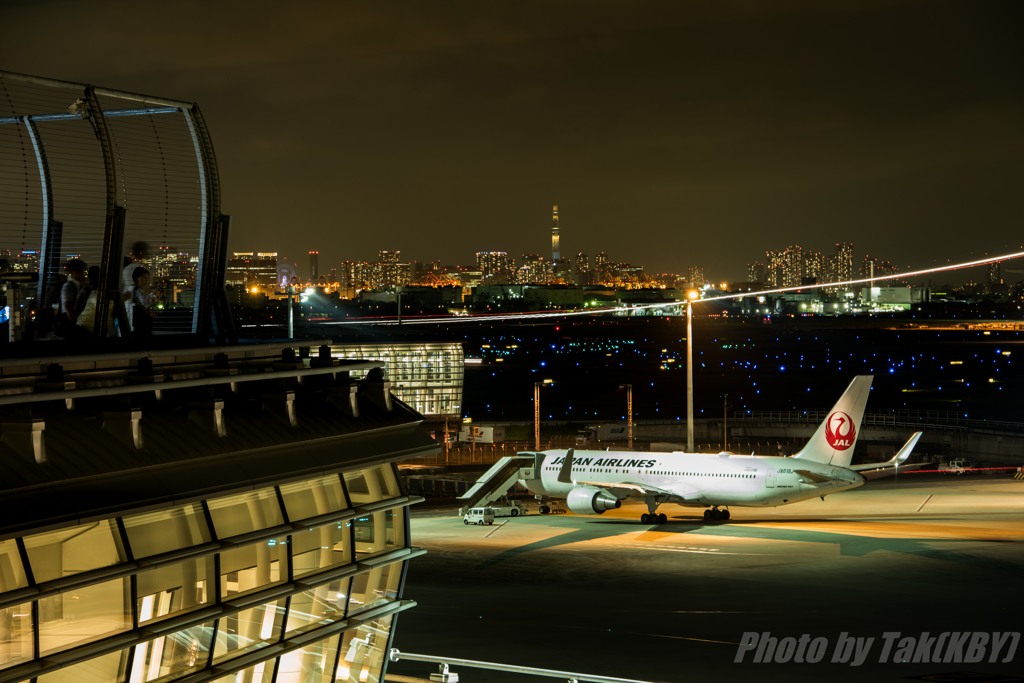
(211,227)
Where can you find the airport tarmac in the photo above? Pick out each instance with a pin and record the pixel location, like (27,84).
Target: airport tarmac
(607,595)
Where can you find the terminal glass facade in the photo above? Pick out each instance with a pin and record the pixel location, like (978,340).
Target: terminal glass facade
(295,583)
(427,377)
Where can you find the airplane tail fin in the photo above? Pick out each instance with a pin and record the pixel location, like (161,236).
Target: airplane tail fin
(835,438)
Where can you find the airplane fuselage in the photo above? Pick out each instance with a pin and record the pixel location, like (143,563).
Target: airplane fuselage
(695,479)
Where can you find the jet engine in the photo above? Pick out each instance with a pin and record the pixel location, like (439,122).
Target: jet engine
(591,500)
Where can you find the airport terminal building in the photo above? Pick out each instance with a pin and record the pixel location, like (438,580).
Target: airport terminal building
(180,505)
(249,529)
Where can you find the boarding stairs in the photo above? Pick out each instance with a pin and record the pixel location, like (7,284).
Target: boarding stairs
(496,482)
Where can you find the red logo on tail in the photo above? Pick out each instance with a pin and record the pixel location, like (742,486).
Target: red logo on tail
(840,431)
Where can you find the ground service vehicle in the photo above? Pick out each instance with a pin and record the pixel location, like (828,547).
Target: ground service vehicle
(479,516)
(507,508)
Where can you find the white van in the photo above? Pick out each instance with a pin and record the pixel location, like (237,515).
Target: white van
(479,516)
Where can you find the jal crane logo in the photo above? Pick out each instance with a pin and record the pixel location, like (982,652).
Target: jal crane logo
(840,431)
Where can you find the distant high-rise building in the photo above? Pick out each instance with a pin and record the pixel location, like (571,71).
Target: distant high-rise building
(581,272)
(582,262)
(314,266)
(555,250)
(248,269)
(793,266)
(992,275)
(534,270)
(877,269)
(775,267)
(844,262)
(814,266)
(388,271)
(494,263)
(602,266)
(755,272)
(696,275)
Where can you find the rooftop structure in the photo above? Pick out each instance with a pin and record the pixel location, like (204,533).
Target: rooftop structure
(199,514)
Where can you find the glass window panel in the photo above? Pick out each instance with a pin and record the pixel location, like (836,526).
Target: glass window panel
(258,673)
(249,630)
(160,532)
(173,656)
(249,511)
(312,664)
(379,532)
(371,484)
(386,481)
(322,547)
(16,635)
(307,499)
(358,488)
(109,668)
(362,652)
(83,615)
(253,566)
(322,605)
(12,573)
(375,587)
(56,554)
(175,588)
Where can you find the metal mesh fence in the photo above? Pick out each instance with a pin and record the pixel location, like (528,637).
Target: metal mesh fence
(61,182)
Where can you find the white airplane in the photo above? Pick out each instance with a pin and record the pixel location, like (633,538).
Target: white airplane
(592,482)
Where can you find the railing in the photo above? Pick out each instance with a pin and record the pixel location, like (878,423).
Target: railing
(444,675)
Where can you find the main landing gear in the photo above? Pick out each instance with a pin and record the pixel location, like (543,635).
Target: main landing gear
(714,514)
(652,517)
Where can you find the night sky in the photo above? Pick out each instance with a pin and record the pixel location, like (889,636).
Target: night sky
(669,134)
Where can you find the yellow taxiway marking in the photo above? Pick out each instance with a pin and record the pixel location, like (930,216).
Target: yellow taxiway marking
(939,532)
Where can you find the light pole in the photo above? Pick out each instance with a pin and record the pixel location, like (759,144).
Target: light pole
(290,290)
(536,416)
(691,295)
(536,412)
(629,411)
(725,420)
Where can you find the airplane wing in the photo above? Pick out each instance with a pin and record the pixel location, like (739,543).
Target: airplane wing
(897,459)
(812,477)
(889,471)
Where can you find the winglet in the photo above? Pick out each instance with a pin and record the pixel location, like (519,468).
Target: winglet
(564,475)
(904,453)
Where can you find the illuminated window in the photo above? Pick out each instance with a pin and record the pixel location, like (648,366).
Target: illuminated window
(321,547)
(249,630)
(246,512)
(307,499)
(160,532)
(70,551)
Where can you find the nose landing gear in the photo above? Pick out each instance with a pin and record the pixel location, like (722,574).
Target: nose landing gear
(714,514)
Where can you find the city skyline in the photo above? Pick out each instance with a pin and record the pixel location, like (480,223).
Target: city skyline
(667,135)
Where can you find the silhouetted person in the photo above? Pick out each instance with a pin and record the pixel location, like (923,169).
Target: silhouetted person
(88,299)
(140,250)
(67,314)
(142,324)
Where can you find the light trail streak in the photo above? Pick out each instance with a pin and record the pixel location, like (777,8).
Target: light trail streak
(486,317)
